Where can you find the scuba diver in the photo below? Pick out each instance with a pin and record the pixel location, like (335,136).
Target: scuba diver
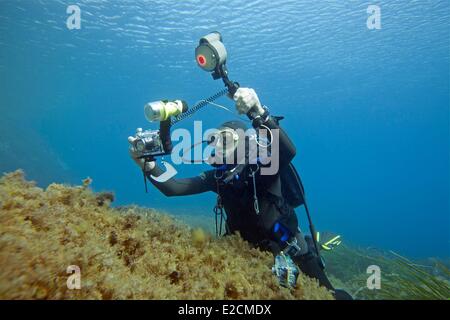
(252,203)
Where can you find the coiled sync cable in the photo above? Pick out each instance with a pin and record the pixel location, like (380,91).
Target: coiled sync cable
(198,106)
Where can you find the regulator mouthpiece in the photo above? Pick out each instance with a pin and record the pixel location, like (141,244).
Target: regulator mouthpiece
(163,109)
(211,53)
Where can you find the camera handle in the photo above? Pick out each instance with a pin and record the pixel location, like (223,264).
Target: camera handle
(164,133)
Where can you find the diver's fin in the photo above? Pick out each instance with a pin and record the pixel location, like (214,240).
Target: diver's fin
(340,294)
(327,240)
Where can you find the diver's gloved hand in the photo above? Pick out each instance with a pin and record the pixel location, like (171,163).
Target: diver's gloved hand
(149,165)
(246,100)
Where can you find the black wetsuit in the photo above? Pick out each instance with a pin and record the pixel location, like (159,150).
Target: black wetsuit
(238,197)
(238,201)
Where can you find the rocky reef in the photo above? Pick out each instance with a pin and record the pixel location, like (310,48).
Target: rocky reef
(128,253)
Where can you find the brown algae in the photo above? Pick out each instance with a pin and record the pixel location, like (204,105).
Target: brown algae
(132,253)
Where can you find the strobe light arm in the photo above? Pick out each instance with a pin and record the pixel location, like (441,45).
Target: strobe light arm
(222,73)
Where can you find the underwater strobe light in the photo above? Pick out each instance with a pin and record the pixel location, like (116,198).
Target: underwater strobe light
(211,56)
(211,53)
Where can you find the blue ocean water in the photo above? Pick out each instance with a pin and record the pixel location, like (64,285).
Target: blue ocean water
(368,110)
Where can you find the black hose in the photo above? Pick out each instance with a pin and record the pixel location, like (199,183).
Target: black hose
(312,229)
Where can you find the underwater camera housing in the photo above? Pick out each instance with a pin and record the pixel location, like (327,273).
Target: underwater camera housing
(148,143)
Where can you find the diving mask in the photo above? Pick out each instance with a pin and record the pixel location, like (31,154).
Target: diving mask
(225,141)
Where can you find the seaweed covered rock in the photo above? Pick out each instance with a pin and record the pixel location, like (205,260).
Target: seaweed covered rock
(131,253)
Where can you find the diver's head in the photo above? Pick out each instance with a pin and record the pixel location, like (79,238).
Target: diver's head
(229,143)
